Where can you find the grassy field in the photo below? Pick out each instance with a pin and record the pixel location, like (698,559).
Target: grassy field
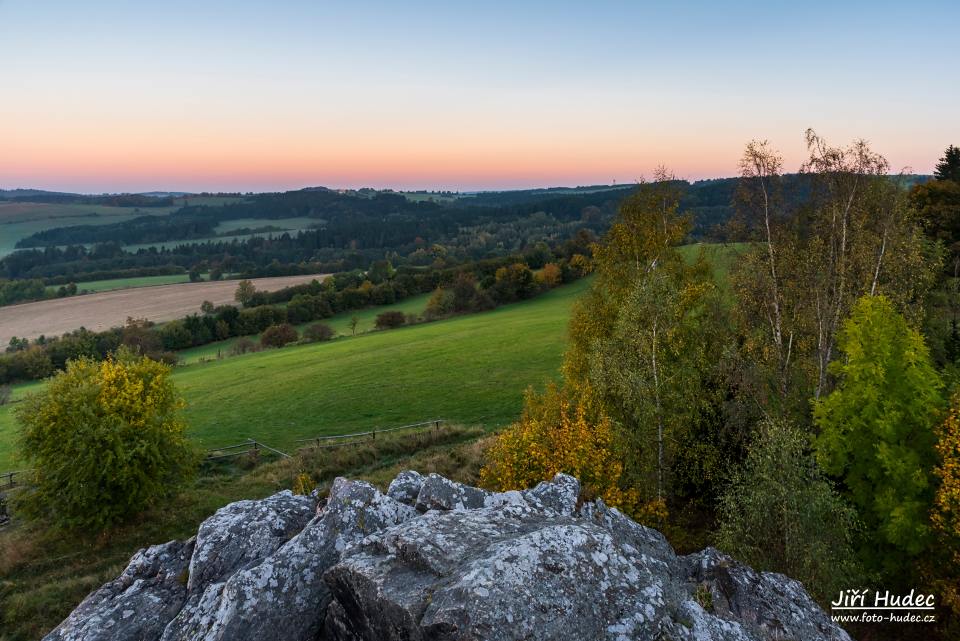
(127,283)
(469,369)
(340,323)
(290,224)
(19,220)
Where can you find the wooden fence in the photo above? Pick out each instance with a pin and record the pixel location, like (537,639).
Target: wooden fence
(240,449)
(9,479)
(339,440)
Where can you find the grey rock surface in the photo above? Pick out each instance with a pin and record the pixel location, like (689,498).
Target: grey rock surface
(434,559)
(284,595)
(438,493)
(406,487)
(244,532)
(136,605)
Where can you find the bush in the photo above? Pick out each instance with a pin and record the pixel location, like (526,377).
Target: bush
(557,433)
(390,320)
(243,346)
(440,304)
(279,335)
(105,440)
(319,332)
(550,276)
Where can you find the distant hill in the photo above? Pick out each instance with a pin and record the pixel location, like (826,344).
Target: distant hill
(20,194)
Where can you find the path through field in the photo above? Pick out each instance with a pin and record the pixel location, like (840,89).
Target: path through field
(110,309)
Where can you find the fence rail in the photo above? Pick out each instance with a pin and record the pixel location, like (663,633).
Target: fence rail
(250,445)
(9,479)
(339,440)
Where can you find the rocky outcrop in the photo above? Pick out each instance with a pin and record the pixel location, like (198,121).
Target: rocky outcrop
(434,559)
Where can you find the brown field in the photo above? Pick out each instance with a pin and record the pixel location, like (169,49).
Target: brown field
(110,309)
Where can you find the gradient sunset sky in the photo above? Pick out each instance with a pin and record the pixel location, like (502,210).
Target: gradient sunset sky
(240,95)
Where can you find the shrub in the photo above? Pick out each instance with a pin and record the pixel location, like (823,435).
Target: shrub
(279,335)
(390,320)
(558,434)
(440,304)
(244,293)
(243,346)
(944,566)
(319,332)
(550,276)
(105,440)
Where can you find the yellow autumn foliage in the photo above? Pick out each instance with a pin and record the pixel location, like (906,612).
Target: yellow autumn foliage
(946,509)
(558,434)
(105,441)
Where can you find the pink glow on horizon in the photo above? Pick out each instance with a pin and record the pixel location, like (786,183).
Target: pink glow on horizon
(193,162)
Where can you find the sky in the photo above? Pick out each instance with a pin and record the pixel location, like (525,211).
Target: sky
(244,95)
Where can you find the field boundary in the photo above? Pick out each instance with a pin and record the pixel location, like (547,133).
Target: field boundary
(8,479)
(339,440)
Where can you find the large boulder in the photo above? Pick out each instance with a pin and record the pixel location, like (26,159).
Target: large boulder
(435,559)
(242,533)
(284,595)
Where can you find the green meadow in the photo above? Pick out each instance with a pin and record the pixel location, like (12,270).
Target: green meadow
(469,369)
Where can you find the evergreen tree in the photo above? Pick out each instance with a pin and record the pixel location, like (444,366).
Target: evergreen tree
(949,166)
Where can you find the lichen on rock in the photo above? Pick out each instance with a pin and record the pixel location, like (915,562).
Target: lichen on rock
(435,559)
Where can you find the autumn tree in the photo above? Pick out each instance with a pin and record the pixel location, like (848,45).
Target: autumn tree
(550,276)
(859,241)
(945,515)
(766,278)
(854,234)
(876,428)
(649,369)
(647,227)
(105,439)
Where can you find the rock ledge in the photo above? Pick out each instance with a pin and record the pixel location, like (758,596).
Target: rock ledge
(435,559)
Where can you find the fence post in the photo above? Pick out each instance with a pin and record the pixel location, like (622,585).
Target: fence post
(373,434)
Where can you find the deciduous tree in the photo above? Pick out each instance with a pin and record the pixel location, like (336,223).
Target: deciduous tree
(105,440)
(781,514)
